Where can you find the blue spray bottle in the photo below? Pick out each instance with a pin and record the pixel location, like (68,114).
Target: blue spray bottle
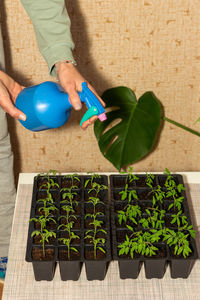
(47,106)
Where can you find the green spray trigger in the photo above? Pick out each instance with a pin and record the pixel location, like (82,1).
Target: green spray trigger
(92,111)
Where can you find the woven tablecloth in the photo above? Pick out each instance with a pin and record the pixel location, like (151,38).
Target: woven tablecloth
(20,283)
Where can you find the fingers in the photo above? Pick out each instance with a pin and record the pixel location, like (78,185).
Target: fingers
(11,109)
(7,105)
(89,122)
(73,96)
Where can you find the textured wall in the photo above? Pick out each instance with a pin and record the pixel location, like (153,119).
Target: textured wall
(145,45)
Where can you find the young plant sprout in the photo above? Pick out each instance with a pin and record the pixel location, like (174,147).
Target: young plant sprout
(47,200)
(130,214)
(149,180)
(45,235)
(67,242)
(47,210)
(69,213)
(154,219)
(91,234)
(49,185)
(96,187)
(130,176)
(128,194)
(73,177)
(92,179)
(68,196)
(172,189)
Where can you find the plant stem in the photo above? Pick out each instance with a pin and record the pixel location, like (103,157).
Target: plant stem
(182,126)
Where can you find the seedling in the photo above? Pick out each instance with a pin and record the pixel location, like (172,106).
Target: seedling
(92,234)
(130,214)
(179,220)
(45,235)
(128,194)
(154,218)
(96,187)
(49,184)
(149,180)
(73,177)
(179,240)
(92,179)
(47,210)
(68,196)
(130,176)
(67,242)
(47,200)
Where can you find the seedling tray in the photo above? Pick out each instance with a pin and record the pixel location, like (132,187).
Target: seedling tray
(154,266)
(69,269)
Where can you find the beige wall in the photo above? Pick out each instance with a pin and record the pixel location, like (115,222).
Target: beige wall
(145,45)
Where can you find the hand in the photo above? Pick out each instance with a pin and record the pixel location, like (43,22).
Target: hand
(71,81)
(9,89)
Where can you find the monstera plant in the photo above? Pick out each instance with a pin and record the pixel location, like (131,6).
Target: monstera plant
(132,126)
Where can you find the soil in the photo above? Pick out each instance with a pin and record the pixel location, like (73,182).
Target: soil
(67,183)
(37,254)
(50,225)
(128,256)
(145,195)
(89,254)
(89,208)
(168,219)
(145,205)
(63,255)
(66,235)
(120,205)
(76,225)
(43,195)
(77,210)
(37,238)
(121,235)
(44,181)
(141,182)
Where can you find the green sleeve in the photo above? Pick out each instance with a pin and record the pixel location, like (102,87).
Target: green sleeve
(52,28)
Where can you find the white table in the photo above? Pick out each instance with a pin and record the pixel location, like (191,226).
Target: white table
(20,283)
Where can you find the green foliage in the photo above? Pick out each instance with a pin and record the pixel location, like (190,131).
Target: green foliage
(149,180)
(67,242)
(140,242)
(130,214)
(128,194)
(154,219)
(96,187)
(134,136)
(68,196)
(92,179)
(178,240)
(130,176)
(73,177)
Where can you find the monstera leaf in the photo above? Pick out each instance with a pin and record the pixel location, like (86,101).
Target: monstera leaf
(138,123)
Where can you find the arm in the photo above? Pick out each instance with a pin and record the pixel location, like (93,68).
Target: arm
(52,28)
